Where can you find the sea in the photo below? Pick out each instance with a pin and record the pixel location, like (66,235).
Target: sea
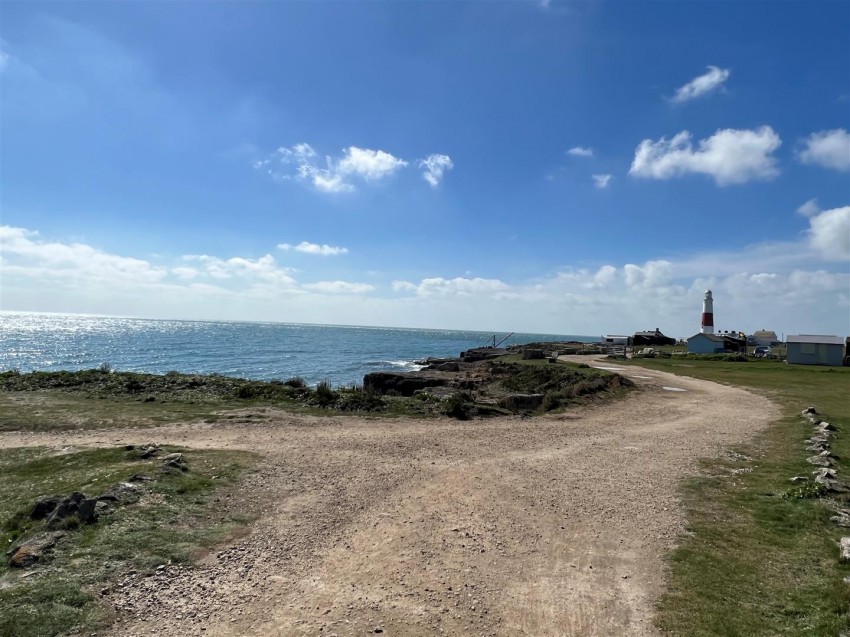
(339,354)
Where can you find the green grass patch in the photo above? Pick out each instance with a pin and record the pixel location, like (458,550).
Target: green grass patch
(172,521)
(100,398)
(760,556)
(562,384)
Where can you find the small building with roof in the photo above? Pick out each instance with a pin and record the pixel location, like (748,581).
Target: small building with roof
(815,349)
(652,338)
(765,338)
(706,344)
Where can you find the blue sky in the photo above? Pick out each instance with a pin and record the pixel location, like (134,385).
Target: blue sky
(568,167)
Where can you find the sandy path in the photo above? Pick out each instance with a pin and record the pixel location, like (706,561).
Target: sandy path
(547,526)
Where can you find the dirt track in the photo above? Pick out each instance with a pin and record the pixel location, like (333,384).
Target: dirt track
(546,526)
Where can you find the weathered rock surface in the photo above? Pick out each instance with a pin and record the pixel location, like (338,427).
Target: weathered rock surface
(449,366)
(844,548)
(121,493)
(33,549)
(175,461)
(149,450)
(44,506)
(841,518)
(404,384)
(77,505)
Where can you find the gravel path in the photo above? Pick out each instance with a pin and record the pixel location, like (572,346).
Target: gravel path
(547,526)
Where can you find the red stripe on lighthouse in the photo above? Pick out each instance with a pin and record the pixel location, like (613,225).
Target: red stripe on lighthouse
(708,319)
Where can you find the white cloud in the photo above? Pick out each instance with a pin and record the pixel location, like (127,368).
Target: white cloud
(729,156)
(186,274)
(809,208)
(772,285)
(369,164)
(621,299)
(264,269)
(578,151)
(22,249)
(314,248)
(462,286)
(702,85)
(435,166)
(829,233)
(339,287)
(830,149)
(300,162)
(601,181)
(403,286)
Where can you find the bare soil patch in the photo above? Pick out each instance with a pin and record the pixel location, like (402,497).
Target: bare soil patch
(554,525)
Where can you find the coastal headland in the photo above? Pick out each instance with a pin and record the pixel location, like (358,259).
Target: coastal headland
(336,523)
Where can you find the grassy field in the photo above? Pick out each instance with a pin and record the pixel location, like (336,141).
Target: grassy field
(172,521)
(754,562)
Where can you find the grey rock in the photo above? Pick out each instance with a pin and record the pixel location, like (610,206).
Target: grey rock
(75,504)
(404,384)
(44,506)
(844,548)
(819,461)
(149,450)
(174,461)
(123,493)
(87,511)
(842,519)
(799,479)
(33,549)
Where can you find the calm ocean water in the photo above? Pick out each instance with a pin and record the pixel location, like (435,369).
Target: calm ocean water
(263,351)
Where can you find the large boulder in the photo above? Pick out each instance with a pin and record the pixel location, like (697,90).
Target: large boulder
(44,506)
(404,384)
(76,504)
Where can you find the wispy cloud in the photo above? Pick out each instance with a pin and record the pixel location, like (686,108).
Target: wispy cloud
(579,151)
(314,248)
(339,287)
(703,85)
(729,156)
(301,162)
(829,148)
(434,167)
(601,181)
(810,208)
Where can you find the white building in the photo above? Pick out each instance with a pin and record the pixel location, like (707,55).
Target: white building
(706,344)
(766,338)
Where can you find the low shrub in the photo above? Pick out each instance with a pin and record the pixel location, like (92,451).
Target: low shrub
(551,401)
(460,406)
(807,490)
(324,394)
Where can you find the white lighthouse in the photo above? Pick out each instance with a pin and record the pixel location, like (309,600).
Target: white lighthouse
(707,314)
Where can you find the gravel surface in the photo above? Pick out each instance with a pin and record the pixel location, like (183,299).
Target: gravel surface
(547,526)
